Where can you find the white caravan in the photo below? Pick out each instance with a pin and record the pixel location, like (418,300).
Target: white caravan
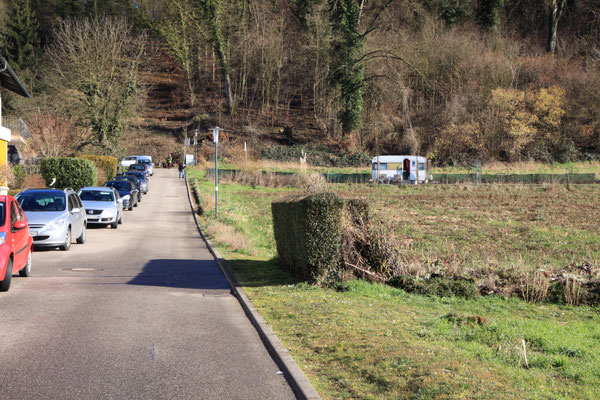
(399,168)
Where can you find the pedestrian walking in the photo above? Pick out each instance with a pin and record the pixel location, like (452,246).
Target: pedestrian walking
(169,160)
(181,170)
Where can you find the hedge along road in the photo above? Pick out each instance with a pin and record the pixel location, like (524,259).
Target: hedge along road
(140,312)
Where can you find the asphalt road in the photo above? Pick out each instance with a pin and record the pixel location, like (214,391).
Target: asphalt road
(140,312)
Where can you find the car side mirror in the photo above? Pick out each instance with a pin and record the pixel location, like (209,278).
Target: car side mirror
(19,225)
(76,211)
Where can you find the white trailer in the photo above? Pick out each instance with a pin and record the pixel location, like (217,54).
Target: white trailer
(411,169)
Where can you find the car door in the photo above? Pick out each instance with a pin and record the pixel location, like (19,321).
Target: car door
(18,237)
(118,203)
(77,216)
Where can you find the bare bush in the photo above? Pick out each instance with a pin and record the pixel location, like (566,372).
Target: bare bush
(52,136)
(534,286)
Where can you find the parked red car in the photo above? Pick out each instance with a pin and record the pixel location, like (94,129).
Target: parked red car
(16,243)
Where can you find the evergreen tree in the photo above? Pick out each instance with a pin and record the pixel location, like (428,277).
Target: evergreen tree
(21,42)
(347,72)
(487,13)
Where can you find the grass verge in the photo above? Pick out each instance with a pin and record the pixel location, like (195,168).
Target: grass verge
(369,341)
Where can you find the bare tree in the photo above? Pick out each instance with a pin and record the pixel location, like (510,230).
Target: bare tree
(52,136)
(557,7)
(94,64)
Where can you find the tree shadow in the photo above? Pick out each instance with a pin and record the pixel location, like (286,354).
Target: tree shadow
(256,273)
(183,274)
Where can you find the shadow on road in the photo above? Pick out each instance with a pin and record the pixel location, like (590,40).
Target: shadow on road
(183,274)
(255,273)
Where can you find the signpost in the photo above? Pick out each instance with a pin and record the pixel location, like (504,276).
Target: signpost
(215,132)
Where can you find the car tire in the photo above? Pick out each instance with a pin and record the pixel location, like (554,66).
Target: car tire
(5,283)
(82,237)
(136,203)
(120,219)
(114,225)
(130,208)
(67,245)
(26,271)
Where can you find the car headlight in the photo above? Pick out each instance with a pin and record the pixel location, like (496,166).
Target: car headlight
(56,224)
(126,197)
(108,213)
(2,237)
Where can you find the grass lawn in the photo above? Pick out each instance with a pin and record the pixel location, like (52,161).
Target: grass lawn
(373,342)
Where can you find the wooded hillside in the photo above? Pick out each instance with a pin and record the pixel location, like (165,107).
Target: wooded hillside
(455,80)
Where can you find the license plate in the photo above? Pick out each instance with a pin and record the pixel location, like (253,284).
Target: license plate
(33,233)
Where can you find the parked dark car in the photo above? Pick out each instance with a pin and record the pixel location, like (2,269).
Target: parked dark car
(142,178)
(134,180)
(127,191)
(140,167)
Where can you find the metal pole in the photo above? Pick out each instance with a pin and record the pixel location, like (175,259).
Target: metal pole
(196,147)
(216,140)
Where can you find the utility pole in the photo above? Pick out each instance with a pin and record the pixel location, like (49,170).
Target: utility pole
(215,132)
(196,147)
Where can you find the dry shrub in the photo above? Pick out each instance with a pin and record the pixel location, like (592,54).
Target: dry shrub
(370,249)
(7,177)
(227,235)
(311,183)
(101,176)
(34,181)
(573,291)
(534,286)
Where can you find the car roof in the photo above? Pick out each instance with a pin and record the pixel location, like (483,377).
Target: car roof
(95,188)
(44,190)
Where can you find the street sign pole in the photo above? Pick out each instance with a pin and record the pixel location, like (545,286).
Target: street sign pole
(215,132)
(196,147)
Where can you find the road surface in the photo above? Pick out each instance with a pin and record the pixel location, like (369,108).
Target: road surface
(138,312)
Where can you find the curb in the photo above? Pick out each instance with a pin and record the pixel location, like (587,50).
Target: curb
(293,374)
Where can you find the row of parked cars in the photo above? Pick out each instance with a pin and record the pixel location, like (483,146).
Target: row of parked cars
(56,217)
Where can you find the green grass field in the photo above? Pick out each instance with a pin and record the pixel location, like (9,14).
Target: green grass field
(371,341)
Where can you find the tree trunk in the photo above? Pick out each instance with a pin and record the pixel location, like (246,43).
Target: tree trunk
(556,9)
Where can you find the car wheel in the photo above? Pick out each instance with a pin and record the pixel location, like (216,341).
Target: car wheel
(130,208)
(114,225)
(26,271)
(81,239)
(121,219)
(67,244)
(5,283)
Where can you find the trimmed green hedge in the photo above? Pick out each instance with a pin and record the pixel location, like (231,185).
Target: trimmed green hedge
(108,164)
(308,234)
(69,172)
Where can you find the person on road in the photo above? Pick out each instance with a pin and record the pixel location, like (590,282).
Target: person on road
(169,160)
(181,170)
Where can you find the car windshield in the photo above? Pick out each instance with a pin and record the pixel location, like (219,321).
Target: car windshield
(48,201)
(144,162)
(96,195)
(138,166)
(119,185)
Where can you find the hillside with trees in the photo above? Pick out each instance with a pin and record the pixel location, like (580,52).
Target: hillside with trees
(455,80)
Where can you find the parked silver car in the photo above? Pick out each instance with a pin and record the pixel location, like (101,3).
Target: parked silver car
(55,216)
(103,205)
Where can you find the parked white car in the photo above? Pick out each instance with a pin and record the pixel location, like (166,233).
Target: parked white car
(129,161)
(104,206)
